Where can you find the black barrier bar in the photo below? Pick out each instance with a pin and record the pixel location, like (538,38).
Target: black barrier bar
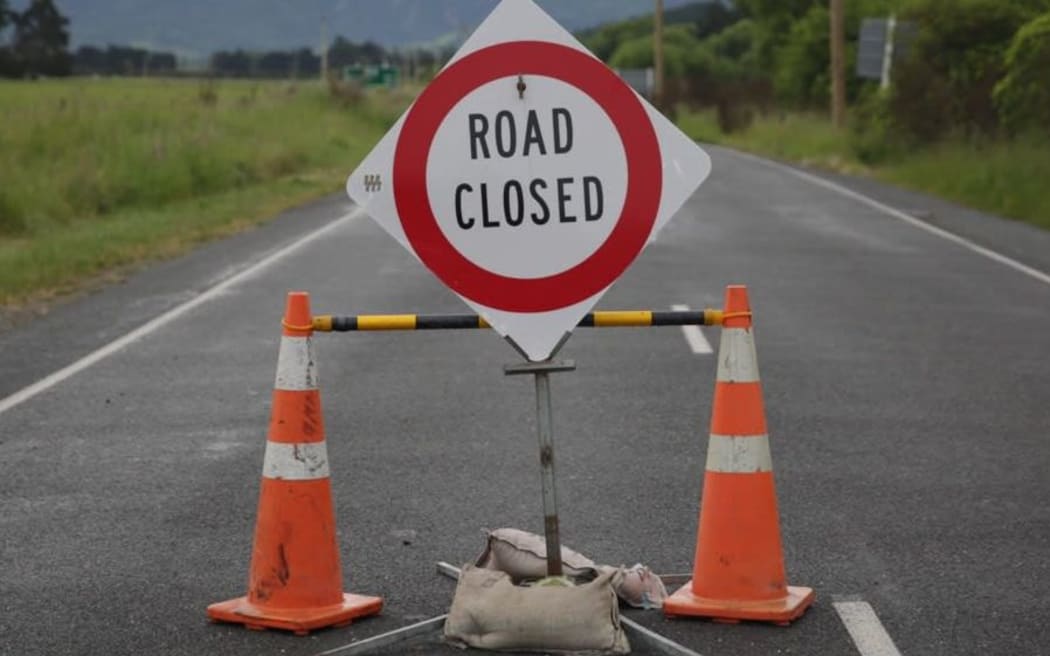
(619,319)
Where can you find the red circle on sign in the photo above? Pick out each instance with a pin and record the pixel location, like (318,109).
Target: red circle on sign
(641,202)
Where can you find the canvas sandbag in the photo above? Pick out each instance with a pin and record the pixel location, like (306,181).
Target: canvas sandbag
(639,587)
(490,612)
(523,556)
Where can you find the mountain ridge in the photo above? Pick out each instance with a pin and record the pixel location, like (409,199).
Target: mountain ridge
(203,26)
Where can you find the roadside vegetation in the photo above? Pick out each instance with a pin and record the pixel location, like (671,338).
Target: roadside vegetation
(1006,176)
(967,115)
(101,174)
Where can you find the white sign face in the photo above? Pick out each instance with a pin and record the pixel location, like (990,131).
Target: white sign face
(528,176)
(526,184)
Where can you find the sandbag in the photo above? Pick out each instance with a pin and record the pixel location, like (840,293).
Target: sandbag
(638,587)
(523,556)
(490,612)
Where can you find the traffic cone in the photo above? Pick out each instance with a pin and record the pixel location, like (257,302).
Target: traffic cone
(295,581)
(738,570)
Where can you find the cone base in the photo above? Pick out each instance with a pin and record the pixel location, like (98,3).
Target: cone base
(781,611)
(300,621)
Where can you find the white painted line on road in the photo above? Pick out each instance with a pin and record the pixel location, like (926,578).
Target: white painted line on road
(907,218)
(865,628)
(119,344)
(693,335)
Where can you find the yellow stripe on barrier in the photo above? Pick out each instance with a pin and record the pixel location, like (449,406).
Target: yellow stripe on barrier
(387,322)
(323,324)
(610,319)
(623,319)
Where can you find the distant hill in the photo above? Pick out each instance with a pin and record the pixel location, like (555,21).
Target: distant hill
(204,26)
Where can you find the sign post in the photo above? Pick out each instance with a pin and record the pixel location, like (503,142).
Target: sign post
(545,431)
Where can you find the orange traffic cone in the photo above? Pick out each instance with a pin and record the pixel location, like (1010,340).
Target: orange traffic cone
(738,571)
(295,581)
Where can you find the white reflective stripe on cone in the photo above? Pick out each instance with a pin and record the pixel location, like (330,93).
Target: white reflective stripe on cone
(737,362)
(296,371)
(295,462)
(739,455)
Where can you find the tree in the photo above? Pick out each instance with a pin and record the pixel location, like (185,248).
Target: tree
(7,63)
(679,41)
(41,39)
(1023,96)
(347,53)
(773,20)
(945,84)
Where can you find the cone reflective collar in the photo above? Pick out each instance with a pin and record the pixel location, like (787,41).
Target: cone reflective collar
(738,571)
(295,579)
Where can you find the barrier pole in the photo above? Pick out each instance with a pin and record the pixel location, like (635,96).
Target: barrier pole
(327,323)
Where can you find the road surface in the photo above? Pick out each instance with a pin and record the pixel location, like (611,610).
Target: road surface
(906,377)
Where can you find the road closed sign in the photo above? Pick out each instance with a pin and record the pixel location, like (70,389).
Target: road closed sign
(528,176)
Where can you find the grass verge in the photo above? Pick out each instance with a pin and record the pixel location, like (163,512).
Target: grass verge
(1006,178)
(101,175)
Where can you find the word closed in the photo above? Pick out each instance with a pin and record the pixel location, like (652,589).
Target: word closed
(539,200)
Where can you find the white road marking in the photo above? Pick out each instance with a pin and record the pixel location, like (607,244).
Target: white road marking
(907,218)
(171,315)
(865,628)
(693,335)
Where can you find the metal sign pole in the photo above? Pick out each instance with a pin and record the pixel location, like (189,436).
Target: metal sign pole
(887,56)
(545,430)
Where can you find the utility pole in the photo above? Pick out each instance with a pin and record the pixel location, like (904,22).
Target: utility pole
(659,88)
(324,49)
(838,64)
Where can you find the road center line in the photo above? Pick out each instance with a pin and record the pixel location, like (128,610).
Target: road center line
(865,628)
(897,214)
(693,335)
(171,315)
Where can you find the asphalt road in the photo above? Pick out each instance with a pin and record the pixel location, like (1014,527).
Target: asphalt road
(906,376)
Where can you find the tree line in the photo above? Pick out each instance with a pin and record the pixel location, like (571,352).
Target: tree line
(35,43)
(341,52)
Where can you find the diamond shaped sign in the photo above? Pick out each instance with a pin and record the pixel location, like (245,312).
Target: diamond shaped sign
(528,176)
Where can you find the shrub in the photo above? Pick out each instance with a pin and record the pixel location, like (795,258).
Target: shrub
(208,92)
(945,85)
(1023,96)
(873,138)
(347,93)
(12,223)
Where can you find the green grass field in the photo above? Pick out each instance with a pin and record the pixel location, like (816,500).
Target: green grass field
(1006,178)
(100,175)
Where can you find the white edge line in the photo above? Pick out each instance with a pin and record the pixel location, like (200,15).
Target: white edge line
(865,629)
(120,343)
(693,335)
(897,214)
